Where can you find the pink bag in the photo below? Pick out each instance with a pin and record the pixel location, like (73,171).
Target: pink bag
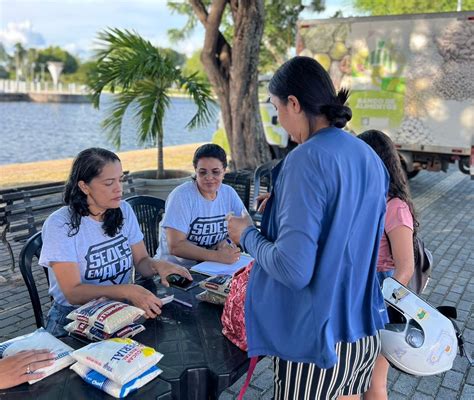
(233,316)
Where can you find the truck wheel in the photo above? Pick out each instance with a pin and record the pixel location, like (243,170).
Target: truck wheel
(412,174)
(463,165)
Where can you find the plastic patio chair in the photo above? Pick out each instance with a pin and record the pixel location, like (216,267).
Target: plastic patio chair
(32,248)
(263,171)
(149,211)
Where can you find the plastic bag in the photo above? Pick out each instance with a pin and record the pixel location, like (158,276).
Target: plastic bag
(95,334)
(101,382)
(107,315)
(40,339)
(120,360)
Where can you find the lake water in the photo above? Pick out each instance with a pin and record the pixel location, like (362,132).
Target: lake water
(47,131)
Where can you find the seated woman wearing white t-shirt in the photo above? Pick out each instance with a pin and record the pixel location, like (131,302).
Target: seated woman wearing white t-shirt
(194,227)
(91,244)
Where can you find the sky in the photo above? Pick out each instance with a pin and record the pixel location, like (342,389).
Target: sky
(74,24)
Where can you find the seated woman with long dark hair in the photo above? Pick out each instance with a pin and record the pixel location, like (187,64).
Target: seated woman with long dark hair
(92,243)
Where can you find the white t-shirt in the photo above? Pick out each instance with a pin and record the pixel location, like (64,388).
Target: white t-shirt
(102,260)
(201,220)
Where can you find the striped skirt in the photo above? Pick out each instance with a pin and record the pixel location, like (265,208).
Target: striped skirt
(350,376)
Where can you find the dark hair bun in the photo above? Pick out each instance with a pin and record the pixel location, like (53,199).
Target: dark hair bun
(337,114)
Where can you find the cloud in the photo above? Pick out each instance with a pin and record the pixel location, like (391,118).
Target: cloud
(21,32)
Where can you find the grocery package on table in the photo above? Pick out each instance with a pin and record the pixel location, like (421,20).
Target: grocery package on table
(102,319)
(94,334)
(216,287)
(117,366)
(40,339)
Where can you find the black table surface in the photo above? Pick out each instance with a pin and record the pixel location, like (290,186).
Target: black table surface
(198,363)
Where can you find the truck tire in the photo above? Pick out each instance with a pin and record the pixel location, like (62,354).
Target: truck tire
(463,165)
(410,174)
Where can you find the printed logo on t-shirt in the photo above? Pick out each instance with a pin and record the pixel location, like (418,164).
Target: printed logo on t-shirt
(109,261)
(207,231)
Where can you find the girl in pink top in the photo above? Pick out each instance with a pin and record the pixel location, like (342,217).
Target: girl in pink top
(396,256)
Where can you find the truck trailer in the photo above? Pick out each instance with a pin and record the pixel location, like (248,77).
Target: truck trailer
(410,76)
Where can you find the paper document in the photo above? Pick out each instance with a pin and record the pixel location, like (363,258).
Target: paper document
(214,268)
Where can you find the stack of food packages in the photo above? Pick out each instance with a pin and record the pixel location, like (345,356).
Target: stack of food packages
(103,319)
(117,366)
(40,339)
(216,287)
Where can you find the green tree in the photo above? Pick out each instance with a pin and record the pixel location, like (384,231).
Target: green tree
(142,75)
(84,73)
(176,58)
(55,53)
(390,7)
(19,56)
(234,34)
(194,65)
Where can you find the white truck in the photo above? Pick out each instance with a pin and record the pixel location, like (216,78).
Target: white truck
(410,76)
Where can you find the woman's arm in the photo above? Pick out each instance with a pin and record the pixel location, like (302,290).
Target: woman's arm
(179,246)
(69,280)
(401,245)
(148,266)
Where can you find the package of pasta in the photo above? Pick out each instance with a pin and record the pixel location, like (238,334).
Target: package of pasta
(120,360)
(95,334)
(40,339)
(107,315)
(101,382)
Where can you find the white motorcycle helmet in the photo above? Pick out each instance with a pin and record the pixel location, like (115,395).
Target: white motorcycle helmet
(418,339)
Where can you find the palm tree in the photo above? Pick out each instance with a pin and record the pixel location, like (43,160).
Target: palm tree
(142,76)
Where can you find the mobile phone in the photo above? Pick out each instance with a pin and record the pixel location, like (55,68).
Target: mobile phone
(178,281)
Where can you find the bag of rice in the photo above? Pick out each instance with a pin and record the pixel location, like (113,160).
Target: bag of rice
(106,315)
(120,360)
(40,339)
(99,381)
(95,334)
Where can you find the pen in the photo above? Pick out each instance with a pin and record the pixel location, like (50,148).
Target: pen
(230,243)
(184,303)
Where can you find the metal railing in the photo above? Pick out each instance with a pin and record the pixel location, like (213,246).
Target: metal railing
(14,86)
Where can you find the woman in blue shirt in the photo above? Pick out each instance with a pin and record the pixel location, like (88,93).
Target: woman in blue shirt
(313,300)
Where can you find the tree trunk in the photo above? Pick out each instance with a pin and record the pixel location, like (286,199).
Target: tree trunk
(160,172)
(233,75)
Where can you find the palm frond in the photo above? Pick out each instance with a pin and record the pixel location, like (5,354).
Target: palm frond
(200,92)
(123,58)
(152,105)
(112,124)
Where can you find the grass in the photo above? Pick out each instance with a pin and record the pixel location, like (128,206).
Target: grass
(14,175)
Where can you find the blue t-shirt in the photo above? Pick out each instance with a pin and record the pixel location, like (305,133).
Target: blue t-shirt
(314,280)
(102,260)
(201,220)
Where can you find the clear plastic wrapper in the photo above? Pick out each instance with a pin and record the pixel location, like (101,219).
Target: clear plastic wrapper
(120,360)
(101,382)
(95,334)
(40,339)
(107,315)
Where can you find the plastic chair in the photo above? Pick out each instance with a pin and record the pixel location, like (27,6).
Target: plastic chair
(263,172)
(32,248)
(149,211)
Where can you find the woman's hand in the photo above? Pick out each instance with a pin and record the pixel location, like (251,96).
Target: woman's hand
(165,268)
(228,254)
(262,201)
(236,225)
(14,369)
(144,299)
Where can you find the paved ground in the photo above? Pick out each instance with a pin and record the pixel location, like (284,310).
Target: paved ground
(445,207)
